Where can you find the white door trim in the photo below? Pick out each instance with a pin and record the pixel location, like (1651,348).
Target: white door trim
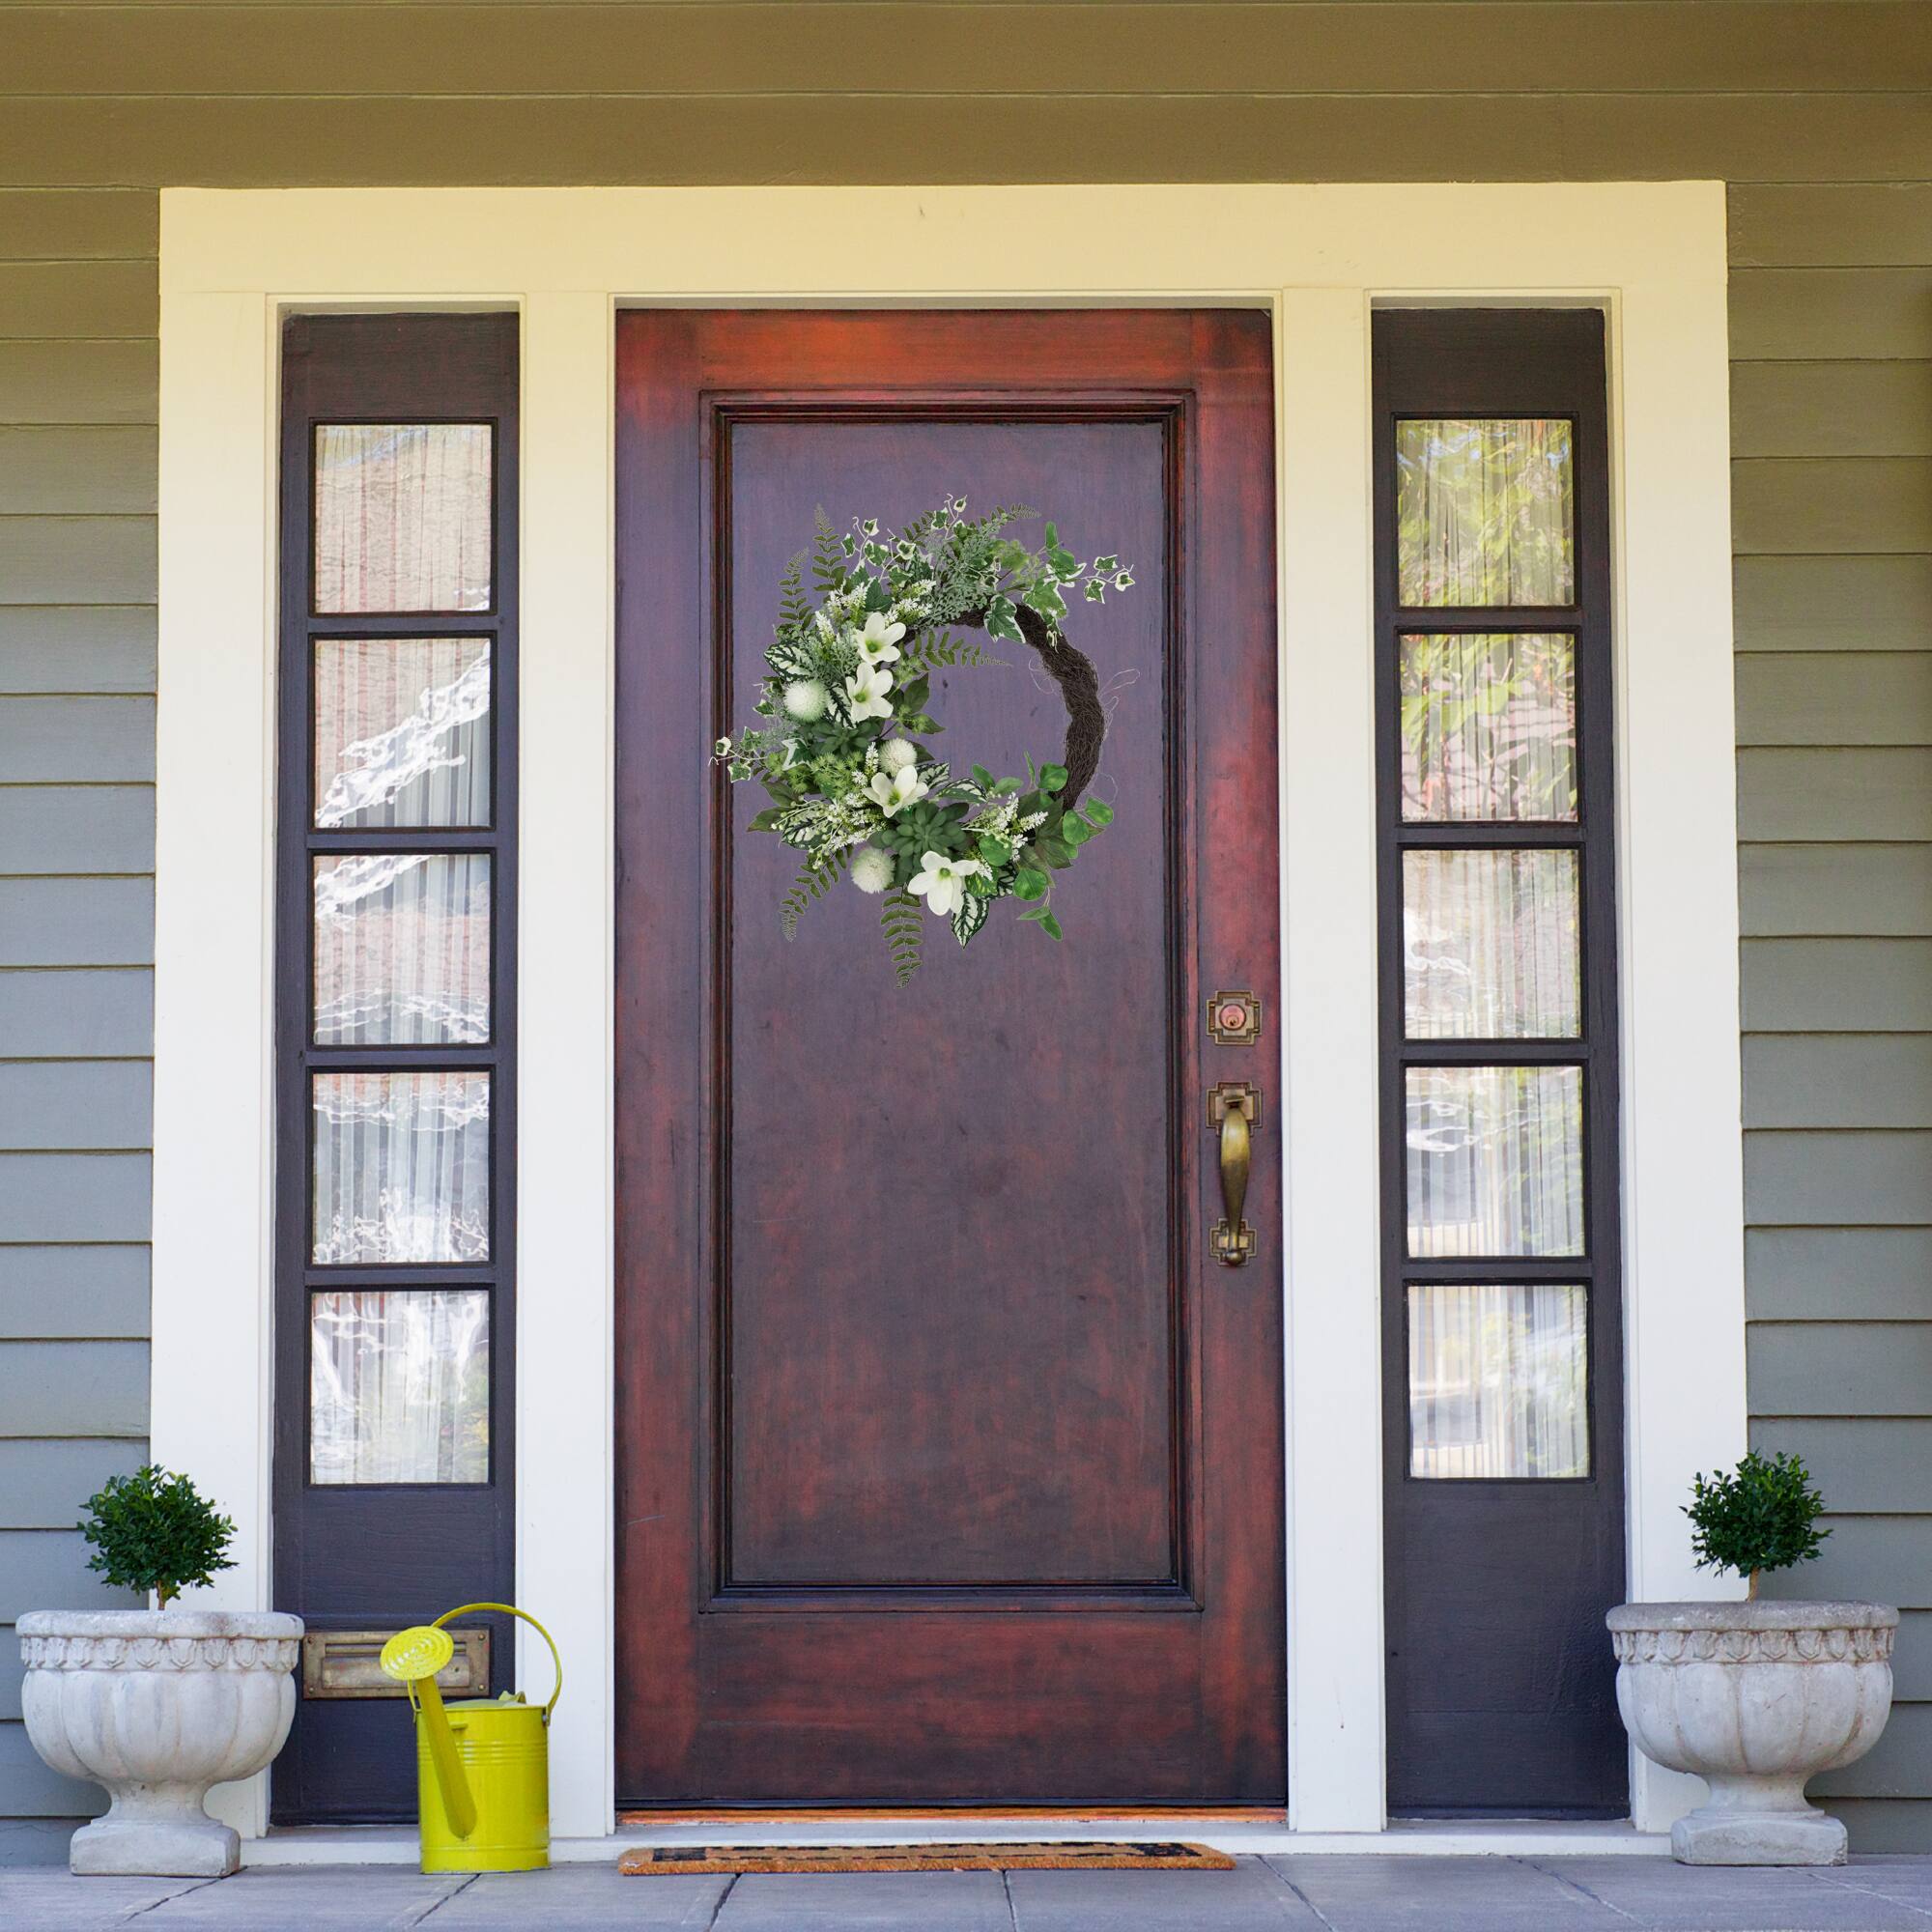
(1652,255)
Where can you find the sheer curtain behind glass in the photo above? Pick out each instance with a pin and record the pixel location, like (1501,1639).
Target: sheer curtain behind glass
(1484,509)
(399,1387)
(1497,1381)
(402,517)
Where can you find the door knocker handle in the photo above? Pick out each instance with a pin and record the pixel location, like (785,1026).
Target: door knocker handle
(1236,1109)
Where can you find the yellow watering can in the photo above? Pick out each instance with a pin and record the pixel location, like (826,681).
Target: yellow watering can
(482,1764)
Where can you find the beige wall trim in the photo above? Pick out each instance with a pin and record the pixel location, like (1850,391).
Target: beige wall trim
(1652,255)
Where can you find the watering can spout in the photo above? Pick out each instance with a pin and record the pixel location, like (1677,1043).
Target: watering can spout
(414,1655)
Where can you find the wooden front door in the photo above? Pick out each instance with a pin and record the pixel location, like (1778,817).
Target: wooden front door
(948,1462)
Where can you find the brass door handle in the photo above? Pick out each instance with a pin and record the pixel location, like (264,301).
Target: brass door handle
(1236,1109)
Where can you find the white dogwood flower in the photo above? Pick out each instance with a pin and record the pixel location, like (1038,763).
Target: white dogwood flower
(877,643)
(868,689)
(891,791)
(941,882)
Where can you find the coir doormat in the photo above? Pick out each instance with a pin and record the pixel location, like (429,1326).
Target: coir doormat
(1073,1855)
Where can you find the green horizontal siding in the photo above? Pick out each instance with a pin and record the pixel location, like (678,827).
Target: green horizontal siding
(1819,116)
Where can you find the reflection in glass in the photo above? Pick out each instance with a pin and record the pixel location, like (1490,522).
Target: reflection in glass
(402,1166)
(402,517)
(1483,511)
(1494,1160)
(1489,945)
(1488,727)
(402,949)
(402,731)
(1497,1381)
(399,1387)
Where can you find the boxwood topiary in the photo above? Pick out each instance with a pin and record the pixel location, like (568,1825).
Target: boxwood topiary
(1760,1516)
(153,1531)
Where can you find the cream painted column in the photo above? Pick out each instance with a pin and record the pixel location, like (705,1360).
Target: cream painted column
(1331,1069)
(1678,889)
(565,1198)
(215,828)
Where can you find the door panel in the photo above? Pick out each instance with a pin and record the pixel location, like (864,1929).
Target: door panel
(949,1467)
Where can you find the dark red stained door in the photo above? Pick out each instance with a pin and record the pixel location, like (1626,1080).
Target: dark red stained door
(948,1460)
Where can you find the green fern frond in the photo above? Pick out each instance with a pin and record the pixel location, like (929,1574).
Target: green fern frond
(794,611)
(828,554)
(941,649)
(813,883)
(904,931)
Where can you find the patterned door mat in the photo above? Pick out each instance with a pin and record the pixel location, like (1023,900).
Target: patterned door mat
(1072,1855)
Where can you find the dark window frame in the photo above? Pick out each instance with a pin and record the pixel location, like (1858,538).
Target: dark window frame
(1463,364)
(387,1554)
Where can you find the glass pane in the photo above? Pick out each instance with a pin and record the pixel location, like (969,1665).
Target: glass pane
(1488,727)
(402,731)
(1495,1161)
(402,949)
(1497,1381)
(402,517)
(1489,945)
(399,1387)
(1483,511)
(402,1166)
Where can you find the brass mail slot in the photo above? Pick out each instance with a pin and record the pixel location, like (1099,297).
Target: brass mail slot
(345,1664)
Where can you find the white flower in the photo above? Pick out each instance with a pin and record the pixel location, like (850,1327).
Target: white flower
(868,688)
(871,869)
(878,642)
(941,882)
(806,699)
(896,754)
(891,790)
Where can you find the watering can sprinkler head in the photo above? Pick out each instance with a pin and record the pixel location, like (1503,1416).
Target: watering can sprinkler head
(415,1655)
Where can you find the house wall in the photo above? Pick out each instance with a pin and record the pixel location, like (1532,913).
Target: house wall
(1818,114)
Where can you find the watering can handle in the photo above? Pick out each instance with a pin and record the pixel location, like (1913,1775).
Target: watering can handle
(511,1610)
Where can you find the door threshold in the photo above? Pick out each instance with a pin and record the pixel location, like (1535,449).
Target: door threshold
(396,1844)
(829,1814)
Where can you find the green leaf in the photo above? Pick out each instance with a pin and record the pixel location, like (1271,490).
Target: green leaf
(766,820)
(970,918)
(983,778)
(1075,830)
(1029,883)
(1098,812)
(1050,926)
(1002,620)
(1052,778)
(1039,912)
(1057,852)
(995,851)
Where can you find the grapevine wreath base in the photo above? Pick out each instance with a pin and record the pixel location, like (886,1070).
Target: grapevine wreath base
(840,752)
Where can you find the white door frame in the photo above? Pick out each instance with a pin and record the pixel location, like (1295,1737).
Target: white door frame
(1320,259)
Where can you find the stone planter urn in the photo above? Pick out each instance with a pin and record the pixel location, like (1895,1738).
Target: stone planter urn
(157,1705)
(1755,1698)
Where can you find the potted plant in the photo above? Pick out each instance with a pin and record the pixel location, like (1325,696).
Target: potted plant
(157,1705)
(1759,1696)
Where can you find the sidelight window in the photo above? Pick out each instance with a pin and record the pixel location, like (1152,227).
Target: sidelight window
(1495,849)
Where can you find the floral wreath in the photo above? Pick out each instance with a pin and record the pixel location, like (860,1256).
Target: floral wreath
(851,785)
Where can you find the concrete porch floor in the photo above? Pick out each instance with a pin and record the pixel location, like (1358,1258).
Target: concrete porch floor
(1294,1893)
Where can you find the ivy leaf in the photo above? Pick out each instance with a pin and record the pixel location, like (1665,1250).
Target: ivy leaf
(1002,621)
(1029,883)
(1052,778)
